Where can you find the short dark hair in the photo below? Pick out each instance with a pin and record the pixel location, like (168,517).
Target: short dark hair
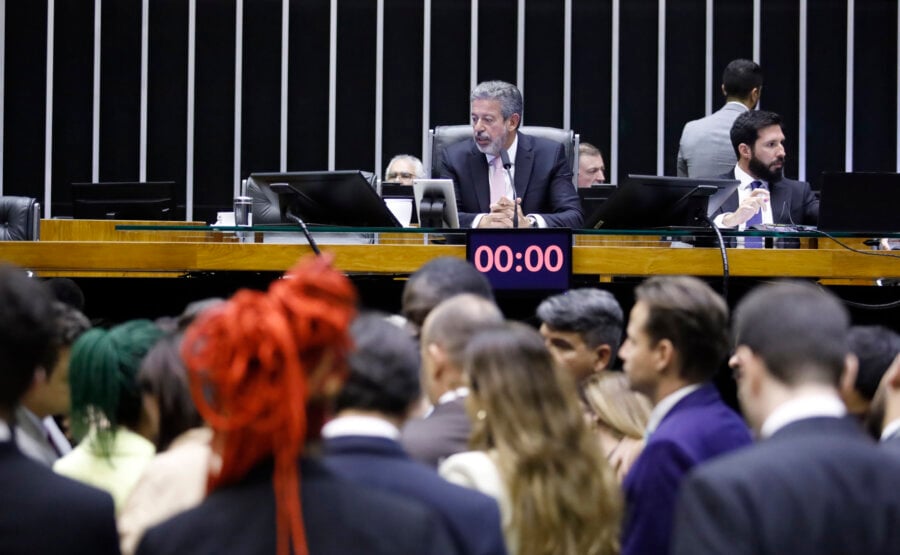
(687,312)
(438,280)
(745,128)
(875,347)
(384,368)
(163,375)
(740,77)
(797,328)
(26,333)
(594,314)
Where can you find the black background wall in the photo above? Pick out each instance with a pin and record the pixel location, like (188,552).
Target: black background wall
(209,167)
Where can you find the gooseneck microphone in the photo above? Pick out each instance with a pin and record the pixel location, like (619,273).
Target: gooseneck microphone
(504,159)
(306,232)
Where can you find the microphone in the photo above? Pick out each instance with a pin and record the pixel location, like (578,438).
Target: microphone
(302,225)
(504,159)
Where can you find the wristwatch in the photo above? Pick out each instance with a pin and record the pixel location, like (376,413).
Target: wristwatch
(532,221)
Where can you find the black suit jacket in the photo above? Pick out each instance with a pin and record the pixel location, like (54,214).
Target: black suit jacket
(44,512)
(793,202)
(472,518)
(818,486)
(340,518)
(543,181)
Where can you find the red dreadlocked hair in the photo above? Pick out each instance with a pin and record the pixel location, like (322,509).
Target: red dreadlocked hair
(249,363)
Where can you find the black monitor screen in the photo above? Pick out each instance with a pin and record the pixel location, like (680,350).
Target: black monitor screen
(339,198)
(651,202)
(154,200)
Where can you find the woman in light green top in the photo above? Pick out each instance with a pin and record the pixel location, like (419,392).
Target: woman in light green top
(116,434)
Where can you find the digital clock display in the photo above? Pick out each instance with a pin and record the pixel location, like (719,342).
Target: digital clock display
(522,259)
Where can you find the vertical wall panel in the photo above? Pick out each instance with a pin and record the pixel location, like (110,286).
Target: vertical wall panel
(685,73)
(402,107)
(638,77)
(779,57)
(450,47)
(167,94)
(72,100)
(497,24)
(120,90)
(214,108)
(356,85)
(732,39)
(308,85)
(23,104)
(261,87)
(826,87)
(875,88)
(544,27)
(591,72)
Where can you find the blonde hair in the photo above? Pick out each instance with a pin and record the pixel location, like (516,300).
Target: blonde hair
(564,497)
(615,405)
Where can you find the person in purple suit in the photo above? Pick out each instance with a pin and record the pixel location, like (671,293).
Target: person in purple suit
(676,339)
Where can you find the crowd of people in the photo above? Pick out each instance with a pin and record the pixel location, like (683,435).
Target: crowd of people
(292,421)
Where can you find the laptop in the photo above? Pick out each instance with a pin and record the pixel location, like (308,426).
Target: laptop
(860,201)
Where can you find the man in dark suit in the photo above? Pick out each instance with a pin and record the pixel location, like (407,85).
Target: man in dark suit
(361,444)
(42,511)
(764,196)
(887,401)
(676,339)
(815,483)
(445,334)
(543,178)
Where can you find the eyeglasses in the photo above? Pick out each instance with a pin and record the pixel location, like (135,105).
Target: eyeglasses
(402,175)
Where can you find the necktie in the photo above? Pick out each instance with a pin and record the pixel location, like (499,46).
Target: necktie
(755,242)
(498,180)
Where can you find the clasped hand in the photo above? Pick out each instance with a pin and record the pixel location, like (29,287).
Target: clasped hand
(502,214)
(752,203)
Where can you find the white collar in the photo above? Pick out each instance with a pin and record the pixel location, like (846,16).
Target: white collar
(890,430)
(737,103)
(745,178)
(453,394)
(513,148)
(807,406)
(666,404)
(356,425)
(5,432)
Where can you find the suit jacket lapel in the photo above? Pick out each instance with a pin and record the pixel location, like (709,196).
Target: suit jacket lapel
(524,163)
(479,175)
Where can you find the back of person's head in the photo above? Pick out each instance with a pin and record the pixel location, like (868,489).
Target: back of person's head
(614,405)
(65,290)
(508,95)
(587,149)
(687,312)
(163,377)
(740,77)
(103,379)
(70,324)
(384,369)
(875,348)
(594,314)
(262,368)
(438,280)
(562,492)
(454,322)
(27,334)
(745,129)
(798,329)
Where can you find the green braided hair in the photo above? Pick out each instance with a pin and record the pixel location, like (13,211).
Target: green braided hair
(103,380)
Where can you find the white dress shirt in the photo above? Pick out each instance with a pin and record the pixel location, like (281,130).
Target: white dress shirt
(801,408)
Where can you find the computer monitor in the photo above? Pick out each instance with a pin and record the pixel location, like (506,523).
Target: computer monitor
(392,191)
(337,198)
(651,202)
(592,197)
(436,203)
(859,201)
(152,200)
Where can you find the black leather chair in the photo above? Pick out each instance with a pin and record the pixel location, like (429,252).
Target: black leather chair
(20,219)
(443,136)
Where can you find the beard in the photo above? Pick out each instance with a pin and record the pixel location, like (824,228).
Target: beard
(764,172)
(493,148)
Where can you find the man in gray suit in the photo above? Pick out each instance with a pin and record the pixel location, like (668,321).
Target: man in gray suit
(705,148)
(815,483)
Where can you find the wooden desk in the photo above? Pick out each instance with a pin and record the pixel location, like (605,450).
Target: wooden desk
(168,259)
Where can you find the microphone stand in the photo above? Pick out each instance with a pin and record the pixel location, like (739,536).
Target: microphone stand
(504,158)
(303,228)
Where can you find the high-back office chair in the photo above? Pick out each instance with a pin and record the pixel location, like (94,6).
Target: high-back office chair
(443,136)
(20,219)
